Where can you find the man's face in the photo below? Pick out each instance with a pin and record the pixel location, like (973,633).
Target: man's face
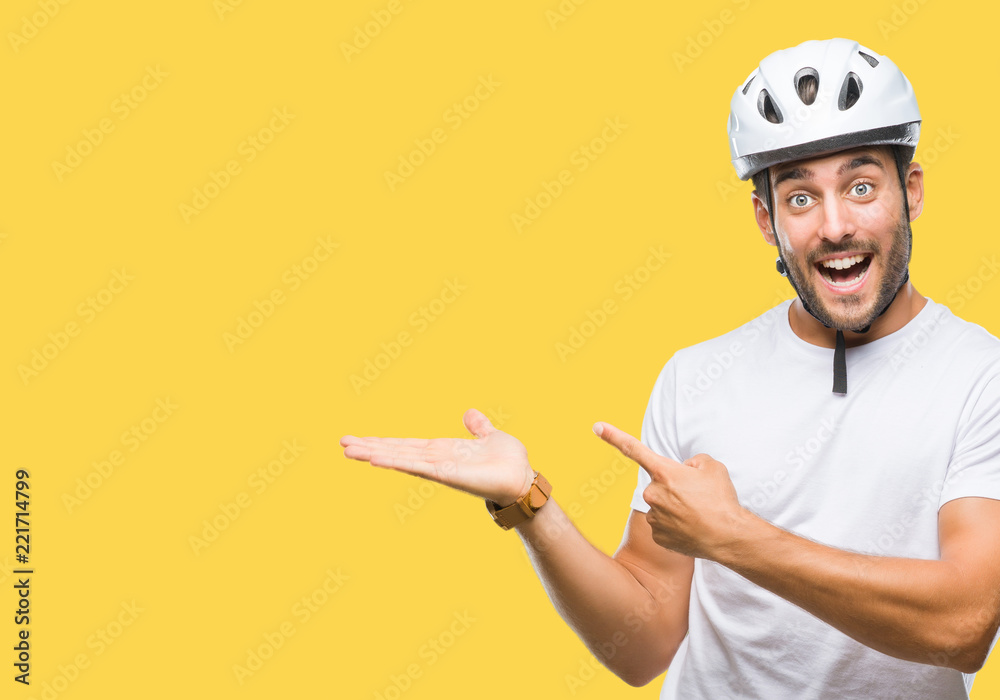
(843,233)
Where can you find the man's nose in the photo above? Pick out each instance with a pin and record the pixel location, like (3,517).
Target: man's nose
(838,220)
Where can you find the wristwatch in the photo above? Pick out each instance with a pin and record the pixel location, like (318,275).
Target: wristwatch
(524,507)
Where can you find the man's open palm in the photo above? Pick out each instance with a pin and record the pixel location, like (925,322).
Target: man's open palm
(493,466)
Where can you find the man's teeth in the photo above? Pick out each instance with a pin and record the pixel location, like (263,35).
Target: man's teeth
(841,263)
(826,276)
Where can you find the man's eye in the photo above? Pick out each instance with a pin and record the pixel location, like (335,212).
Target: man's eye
(861,189)
(800,200)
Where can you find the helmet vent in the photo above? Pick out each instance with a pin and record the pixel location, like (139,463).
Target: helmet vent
(767,108)
(807,85)
(747,86)
(872,61)
(849,92)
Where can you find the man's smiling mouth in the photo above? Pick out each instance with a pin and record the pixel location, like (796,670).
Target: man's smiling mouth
(846,271)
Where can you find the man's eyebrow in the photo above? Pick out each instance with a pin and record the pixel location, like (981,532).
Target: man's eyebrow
(793,174)
(859,161)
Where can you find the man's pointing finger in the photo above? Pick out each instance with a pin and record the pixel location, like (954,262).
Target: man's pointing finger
(627,444)
(633,448)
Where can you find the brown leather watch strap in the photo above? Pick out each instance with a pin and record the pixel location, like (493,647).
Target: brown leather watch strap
(524,507)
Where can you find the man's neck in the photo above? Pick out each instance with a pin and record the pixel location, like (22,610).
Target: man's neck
(901,311)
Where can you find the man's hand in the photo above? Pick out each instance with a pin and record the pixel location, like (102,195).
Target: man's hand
(495,466)
(693,508)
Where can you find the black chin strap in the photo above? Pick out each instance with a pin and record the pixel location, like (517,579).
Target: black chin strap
(840,365)
(840,348)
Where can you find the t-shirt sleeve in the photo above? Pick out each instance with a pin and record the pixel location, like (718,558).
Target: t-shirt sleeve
(659,428)
(975,465)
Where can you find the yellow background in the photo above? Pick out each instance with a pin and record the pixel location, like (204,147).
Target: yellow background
(664,181)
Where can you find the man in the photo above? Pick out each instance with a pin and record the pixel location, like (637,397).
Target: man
(786,540)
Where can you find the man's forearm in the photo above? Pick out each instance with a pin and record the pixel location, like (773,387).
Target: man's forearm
(631,626)
(913,609)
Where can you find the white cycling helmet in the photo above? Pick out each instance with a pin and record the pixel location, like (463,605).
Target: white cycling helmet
(862,98)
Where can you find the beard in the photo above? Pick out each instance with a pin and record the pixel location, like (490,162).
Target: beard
(849,312)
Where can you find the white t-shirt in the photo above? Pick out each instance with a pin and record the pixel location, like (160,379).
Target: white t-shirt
(865,472)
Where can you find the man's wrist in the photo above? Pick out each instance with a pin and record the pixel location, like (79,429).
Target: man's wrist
(524,507)
(529,479)
(746,532)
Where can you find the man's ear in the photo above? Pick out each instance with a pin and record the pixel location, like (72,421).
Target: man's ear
(763,219)
(915,190)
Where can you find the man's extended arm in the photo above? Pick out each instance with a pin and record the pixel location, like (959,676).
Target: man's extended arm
(635,603)
(942,612)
